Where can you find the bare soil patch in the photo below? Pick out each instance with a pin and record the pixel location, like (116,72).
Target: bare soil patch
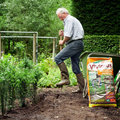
(62,104)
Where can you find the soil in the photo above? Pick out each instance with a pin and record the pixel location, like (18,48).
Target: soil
(62,104)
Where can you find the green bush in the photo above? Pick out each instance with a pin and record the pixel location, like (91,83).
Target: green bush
(18,80)
(6,83)
(98,17)
(102,43)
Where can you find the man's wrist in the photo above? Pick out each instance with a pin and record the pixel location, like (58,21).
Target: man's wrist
(63,41)
(66,39)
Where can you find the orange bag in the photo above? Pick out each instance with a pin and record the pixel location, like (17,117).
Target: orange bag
(100,82)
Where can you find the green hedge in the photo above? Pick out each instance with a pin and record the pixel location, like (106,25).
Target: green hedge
(102,43)
(98,16)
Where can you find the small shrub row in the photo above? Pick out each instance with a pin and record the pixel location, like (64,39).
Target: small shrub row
(18,80)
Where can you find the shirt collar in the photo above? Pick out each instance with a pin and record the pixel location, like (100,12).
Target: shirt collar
(66,18)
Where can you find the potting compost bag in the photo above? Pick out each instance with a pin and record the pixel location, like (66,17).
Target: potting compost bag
(100,82)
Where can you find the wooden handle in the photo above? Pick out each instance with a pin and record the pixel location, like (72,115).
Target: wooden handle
(61,46)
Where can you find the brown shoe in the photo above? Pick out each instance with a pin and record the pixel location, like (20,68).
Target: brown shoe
(64,75)
(80,81)
(63,82)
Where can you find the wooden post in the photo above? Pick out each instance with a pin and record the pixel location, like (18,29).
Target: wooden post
(61,46)
(53,48)
(34,48)
(0,46)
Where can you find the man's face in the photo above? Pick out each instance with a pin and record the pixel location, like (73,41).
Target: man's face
(61,16)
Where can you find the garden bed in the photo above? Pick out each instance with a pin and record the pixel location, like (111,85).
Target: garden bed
(61,104)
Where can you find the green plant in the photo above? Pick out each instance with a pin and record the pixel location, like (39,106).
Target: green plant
(20,49)
(4,82)
(18,80)
(52,76)
(37,75)
(23,78)
(11,78)
(3,94)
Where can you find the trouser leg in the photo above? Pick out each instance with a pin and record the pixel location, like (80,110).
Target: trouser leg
(76,69)
(70,50)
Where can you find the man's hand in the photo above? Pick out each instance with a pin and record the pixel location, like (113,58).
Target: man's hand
(61,33)
(61,42)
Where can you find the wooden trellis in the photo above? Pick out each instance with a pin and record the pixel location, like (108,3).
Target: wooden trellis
(35,42)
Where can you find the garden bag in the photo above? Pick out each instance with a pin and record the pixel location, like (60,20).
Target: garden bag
(100,82)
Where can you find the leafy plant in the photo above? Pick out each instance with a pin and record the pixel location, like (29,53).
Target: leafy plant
(37,75)
(4,82)
(23,77)
(3,95)
(50,78)
(20,50)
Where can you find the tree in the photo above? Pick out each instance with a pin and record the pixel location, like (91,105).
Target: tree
(34,15)
(2,16)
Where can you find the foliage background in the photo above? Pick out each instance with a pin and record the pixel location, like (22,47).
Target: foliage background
(98,17)
(33,15)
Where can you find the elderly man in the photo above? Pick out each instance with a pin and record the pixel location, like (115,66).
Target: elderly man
(73,38)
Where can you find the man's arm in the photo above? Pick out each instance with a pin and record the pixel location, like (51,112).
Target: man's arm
(62,42)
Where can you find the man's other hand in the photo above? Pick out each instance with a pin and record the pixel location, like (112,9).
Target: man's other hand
(61,42)
(61,33)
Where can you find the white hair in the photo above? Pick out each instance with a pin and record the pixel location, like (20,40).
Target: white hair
(62,10)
